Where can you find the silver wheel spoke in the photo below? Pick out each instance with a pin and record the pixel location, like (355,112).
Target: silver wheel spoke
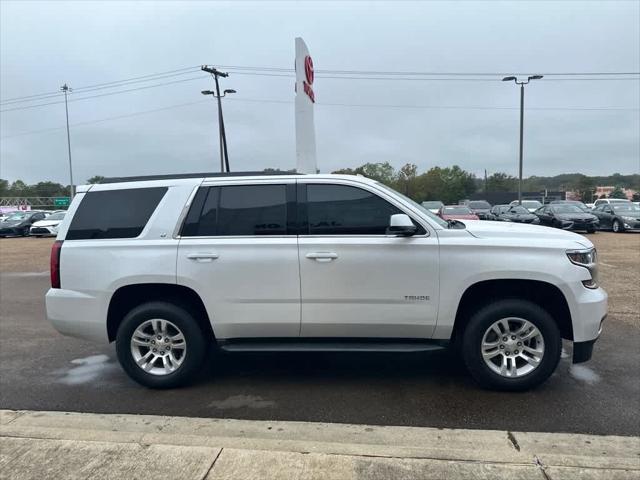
(512,347)
(158,356)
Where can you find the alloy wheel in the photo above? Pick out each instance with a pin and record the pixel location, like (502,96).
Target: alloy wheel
(158,347)
(512,347)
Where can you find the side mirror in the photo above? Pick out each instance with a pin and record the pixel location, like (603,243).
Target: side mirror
(401,225)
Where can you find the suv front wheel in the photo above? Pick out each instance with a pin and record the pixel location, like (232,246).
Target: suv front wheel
(160,345)
(511,345)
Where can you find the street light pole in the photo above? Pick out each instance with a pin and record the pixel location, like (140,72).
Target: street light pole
(66,89)
(224,154)
(522,84)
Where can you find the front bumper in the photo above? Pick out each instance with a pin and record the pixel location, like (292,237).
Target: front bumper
(11,231)
(43,231)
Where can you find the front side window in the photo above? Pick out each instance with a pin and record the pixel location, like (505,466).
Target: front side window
(346,210)
(114,213)
(243,210)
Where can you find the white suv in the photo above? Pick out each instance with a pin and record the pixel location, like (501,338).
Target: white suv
(166,267)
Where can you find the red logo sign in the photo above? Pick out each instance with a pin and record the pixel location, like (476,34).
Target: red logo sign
(308,69)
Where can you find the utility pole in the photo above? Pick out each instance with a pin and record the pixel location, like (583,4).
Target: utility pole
(66,89)
(485,181)
(522,84)
(215,73)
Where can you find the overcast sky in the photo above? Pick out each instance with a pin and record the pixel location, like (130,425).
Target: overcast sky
(45,44)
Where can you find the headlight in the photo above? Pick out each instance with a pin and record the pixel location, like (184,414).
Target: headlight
(588,259)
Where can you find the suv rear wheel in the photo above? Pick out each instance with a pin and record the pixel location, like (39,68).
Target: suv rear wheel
(160,345)
(511,345)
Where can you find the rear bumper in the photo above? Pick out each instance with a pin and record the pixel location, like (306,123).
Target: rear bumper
(77,314)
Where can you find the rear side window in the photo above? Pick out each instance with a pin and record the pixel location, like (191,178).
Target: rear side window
(244,210)
(114,213)
(345,210)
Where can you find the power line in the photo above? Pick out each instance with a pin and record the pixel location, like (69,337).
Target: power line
(77,99)
(321,104)
(113,84)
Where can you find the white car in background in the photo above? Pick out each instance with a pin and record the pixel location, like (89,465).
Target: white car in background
(531,205)
(49,226)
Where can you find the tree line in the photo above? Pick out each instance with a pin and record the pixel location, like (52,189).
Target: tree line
(448,184)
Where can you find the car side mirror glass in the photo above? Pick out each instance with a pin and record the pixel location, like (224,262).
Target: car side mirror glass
(401,225)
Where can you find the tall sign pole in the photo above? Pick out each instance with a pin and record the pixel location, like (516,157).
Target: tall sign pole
(305,98)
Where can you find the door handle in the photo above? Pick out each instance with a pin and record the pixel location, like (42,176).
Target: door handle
(202,257)
(322,257)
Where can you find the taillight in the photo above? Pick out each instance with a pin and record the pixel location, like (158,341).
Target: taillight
(56,248)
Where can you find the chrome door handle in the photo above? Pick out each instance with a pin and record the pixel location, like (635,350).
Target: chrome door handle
(322,256)
(202,257)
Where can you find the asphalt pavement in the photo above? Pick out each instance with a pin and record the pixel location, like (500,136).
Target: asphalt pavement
(42,370)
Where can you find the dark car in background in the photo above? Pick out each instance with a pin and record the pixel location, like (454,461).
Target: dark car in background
(19,223)
(618,216)
(513,213)
(481,208)
(567,217)
(576,203)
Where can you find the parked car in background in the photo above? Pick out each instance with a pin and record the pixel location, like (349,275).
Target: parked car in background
(481,208)
(47,227)
(531,205)
(618,216)
(513,213)
(456,212)
(19,223)
(433,206)
(567,217)
(582,206)
(609,201)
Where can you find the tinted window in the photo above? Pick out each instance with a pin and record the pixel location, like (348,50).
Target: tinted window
(344,210)
(245,210)
(114,213)
(479,204)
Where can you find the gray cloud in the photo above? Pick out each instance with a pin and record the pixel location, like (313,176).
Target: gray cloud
(44,44)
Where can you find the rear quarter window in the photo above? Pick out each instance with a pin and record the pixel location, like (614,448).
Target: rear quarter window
(114,213)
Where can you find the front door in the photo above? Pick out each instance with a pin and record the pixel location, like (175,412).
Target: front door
(355,280)
(237,253)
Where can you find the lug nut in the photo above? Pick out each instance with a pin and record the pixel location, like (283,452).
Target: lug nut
(507,353)
(504,339)
(153,342)
(501,347)
(166,340)
(513,337)
(519,344)
(155,350)
(515,351)
(159,337)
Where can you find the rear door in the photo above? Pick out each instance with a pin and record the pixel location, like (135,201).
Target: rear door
(356,280)
(239,253)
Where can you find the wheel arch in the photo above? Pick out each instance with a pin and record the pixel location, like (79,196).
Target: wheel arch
(546,295)
(127,297)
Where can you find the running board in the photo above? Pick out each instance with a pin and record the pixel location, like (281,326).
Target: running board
(330,346)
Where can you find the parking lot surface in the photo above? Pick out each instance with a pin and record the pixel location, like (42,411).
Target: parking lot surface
(42,370)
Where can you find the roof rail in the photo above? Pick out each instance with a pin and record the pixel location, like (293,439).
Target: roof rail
(193,175)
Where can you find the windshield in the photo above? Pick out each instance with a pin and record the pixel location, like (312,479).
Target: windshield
(531,204)
(518,209)
(17,216)
(456,210)
(56,216)
(567,209)
(434,205)
(422,209)
(479,205)
(625,207)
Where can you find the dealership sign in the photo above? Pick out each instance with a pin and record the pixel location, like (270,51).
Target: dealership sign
(305,98)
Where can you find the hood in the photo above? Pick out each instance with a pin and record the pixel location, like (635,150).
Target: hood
(628,214)
(11,223)
(47,223)
(525,232)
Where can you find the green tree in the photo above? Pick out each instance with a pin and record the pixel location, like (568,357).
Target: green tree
(617,193)
(47,189)
(19,189)
(406,180)
(585,188)
(4,187)
(501,182)
(96,179)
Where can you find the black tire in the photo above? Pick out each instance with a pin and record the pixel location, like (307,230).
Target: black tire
(617,227)
(479,323)
(196,340)
(591,230)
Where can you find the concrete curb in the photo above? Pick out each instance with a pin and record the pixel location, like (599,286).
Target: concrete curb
(43,444)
